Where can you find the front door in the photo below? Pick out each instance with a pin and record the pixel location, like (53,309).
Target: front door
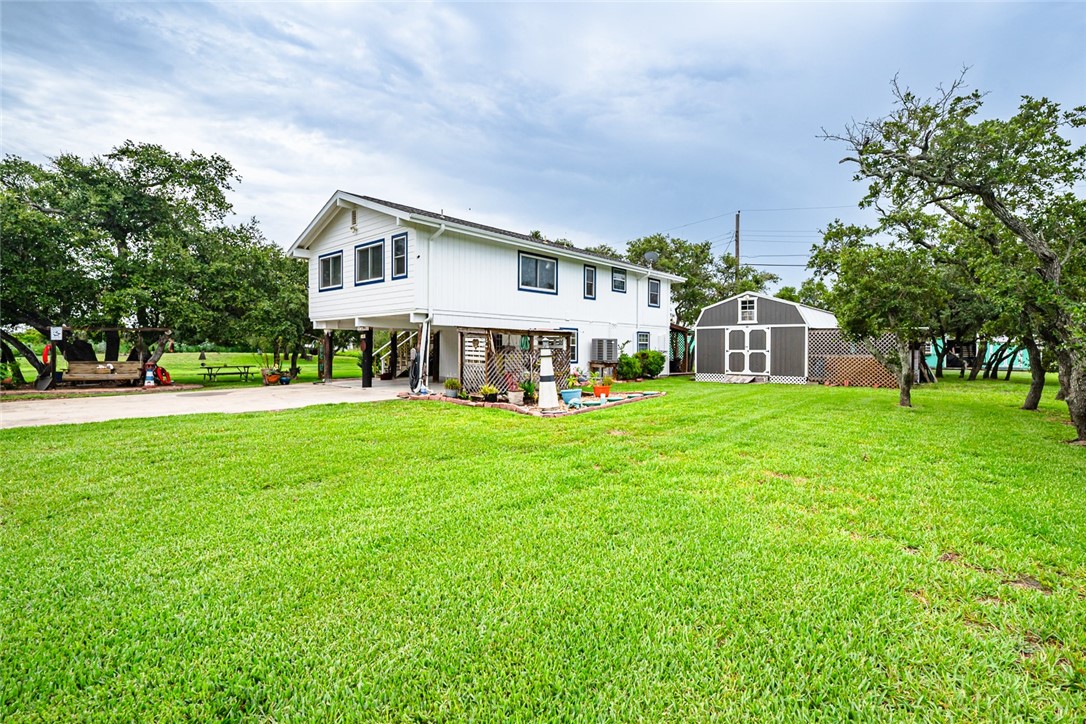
(748,351)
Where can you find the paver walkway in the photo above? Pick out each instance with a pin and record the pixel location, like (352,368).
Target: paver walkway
(27,413)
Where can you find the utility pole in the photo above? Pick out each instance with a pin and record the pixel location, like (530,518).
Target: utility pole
(737,247)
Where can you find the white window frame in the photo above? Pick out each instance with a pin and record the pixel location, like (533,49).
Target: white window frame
(332,284)
(646,343)
(753,310)
(659,291)
(573,339)
(615,272)
(398,256)
(368,247)
(595,276)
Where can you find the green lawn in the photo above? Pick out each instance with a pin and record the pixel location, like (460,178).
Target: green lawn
(750,552)
(187,368)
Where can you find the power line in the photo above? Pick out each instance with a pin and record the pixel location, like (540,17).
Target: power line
(729,213)
(805,208)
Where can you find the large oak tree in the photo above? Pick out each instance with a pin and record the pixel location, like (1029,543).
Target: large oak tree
(938,156)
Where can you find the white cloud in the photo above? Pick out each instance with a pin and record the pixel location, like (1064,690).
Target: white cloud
(595,122)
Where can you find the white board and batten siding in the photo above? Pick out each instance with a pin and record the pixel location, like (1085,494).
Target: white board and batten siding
(469,277)
(390,296)
(475,283)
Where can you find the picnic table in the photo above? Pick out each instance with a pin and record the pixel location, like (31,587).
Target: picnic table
(214,372)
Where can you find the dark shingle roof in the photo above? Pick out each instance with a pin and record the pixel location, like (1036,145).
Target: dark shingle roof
(496,230)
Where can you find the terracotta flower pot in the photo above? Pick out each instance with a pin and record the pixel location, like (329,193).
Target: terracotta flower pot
(601,390)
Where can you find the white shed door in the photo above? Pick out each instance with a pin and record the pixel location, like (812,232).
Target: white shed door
(747,351)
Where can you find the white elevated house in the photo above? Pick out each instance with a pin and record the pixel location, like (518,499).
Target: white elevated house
(473,300)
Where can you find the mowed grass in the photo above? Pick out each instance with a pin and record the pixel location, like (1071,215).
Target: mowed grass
(732,552)
(187,368)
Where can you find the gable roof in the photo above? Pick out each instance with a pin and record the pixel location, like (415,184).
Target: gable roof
(812,316)
(413,214)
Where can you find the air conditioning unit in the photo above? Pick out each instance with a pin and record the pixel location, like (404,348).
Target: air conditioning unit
(605,350)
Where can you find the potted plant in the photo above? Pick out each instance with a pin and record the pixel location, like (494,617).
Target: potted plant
(452,387)
(601,388)
(489,393)
(528,387)
(271,375)
(573,392)
(516,397)
(6,374)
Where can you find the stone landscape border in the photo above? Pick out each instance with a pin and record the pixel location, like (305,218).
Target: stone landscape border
(534,411)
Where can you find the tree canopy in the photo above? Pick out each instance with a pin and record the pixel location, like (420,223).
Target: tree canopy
(139,237)
(997,194)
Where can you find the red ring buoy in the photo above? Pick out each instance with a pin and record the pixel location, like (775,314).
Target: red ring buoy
(162,376)
(45,354)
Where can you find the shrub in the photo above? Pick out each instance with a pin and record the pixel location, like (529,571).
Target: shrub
(452,384)
(652,362)
(629,368)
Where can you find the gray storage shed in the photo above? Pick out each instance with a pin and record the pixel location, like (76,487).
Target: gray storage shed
(756,336)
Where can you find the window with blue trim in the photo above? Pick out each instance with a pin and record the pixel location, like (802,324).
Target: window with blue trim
(331,271)
(654,292)
(538,274)
(572,343)
(589,282)
(642,341)
(369,262)
(399,256)
(618,280)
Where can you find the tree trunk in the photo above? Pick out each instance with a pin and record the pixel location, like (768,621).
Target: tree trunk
(904,373)
(161,349)
(1075,362)
(1065,378)
(1010,361)
(113,346)
(994,360)
(1037,375)
(26,352)
(978,361)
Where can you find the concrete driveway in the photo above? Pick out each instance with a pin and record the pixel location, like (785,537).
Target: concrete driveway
(27,413)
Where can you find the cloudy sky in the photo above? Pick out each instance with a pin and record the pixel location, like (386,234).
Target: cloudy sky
(599,123)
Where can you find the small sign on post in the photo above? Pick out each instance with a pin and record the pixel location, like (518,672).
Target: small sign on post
(56,334)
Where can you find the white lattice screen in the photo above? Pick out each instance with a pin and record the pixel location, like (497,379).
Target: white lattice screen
(836,360)
(485,360)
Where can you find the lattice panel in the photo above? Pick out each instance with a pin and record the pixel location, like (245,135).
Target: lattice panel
(857,371)
(787,380)
(836,360)
(680,357)
(506,366)
(708,377)
(473,374)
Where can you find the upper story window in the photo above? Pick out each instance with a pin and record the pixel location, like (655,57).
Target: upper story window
(642,341)
(589,282)
(369,262)
(746,310)
(331,271)
(399,256)
(654,292)
(538,274)
(618,280)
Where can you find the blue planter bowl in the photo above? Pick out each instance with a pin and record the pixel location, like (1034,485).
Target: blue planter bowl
(569,396)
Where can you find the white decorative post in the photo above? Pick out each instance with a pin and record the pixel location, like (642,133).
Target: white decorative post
(548,393)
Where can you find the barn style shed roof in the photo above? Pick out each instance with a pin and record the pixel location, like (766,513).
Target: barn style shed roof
(812,316)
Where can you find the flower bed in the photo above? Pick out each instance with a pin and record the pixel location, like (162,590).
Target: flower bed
(589,404)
